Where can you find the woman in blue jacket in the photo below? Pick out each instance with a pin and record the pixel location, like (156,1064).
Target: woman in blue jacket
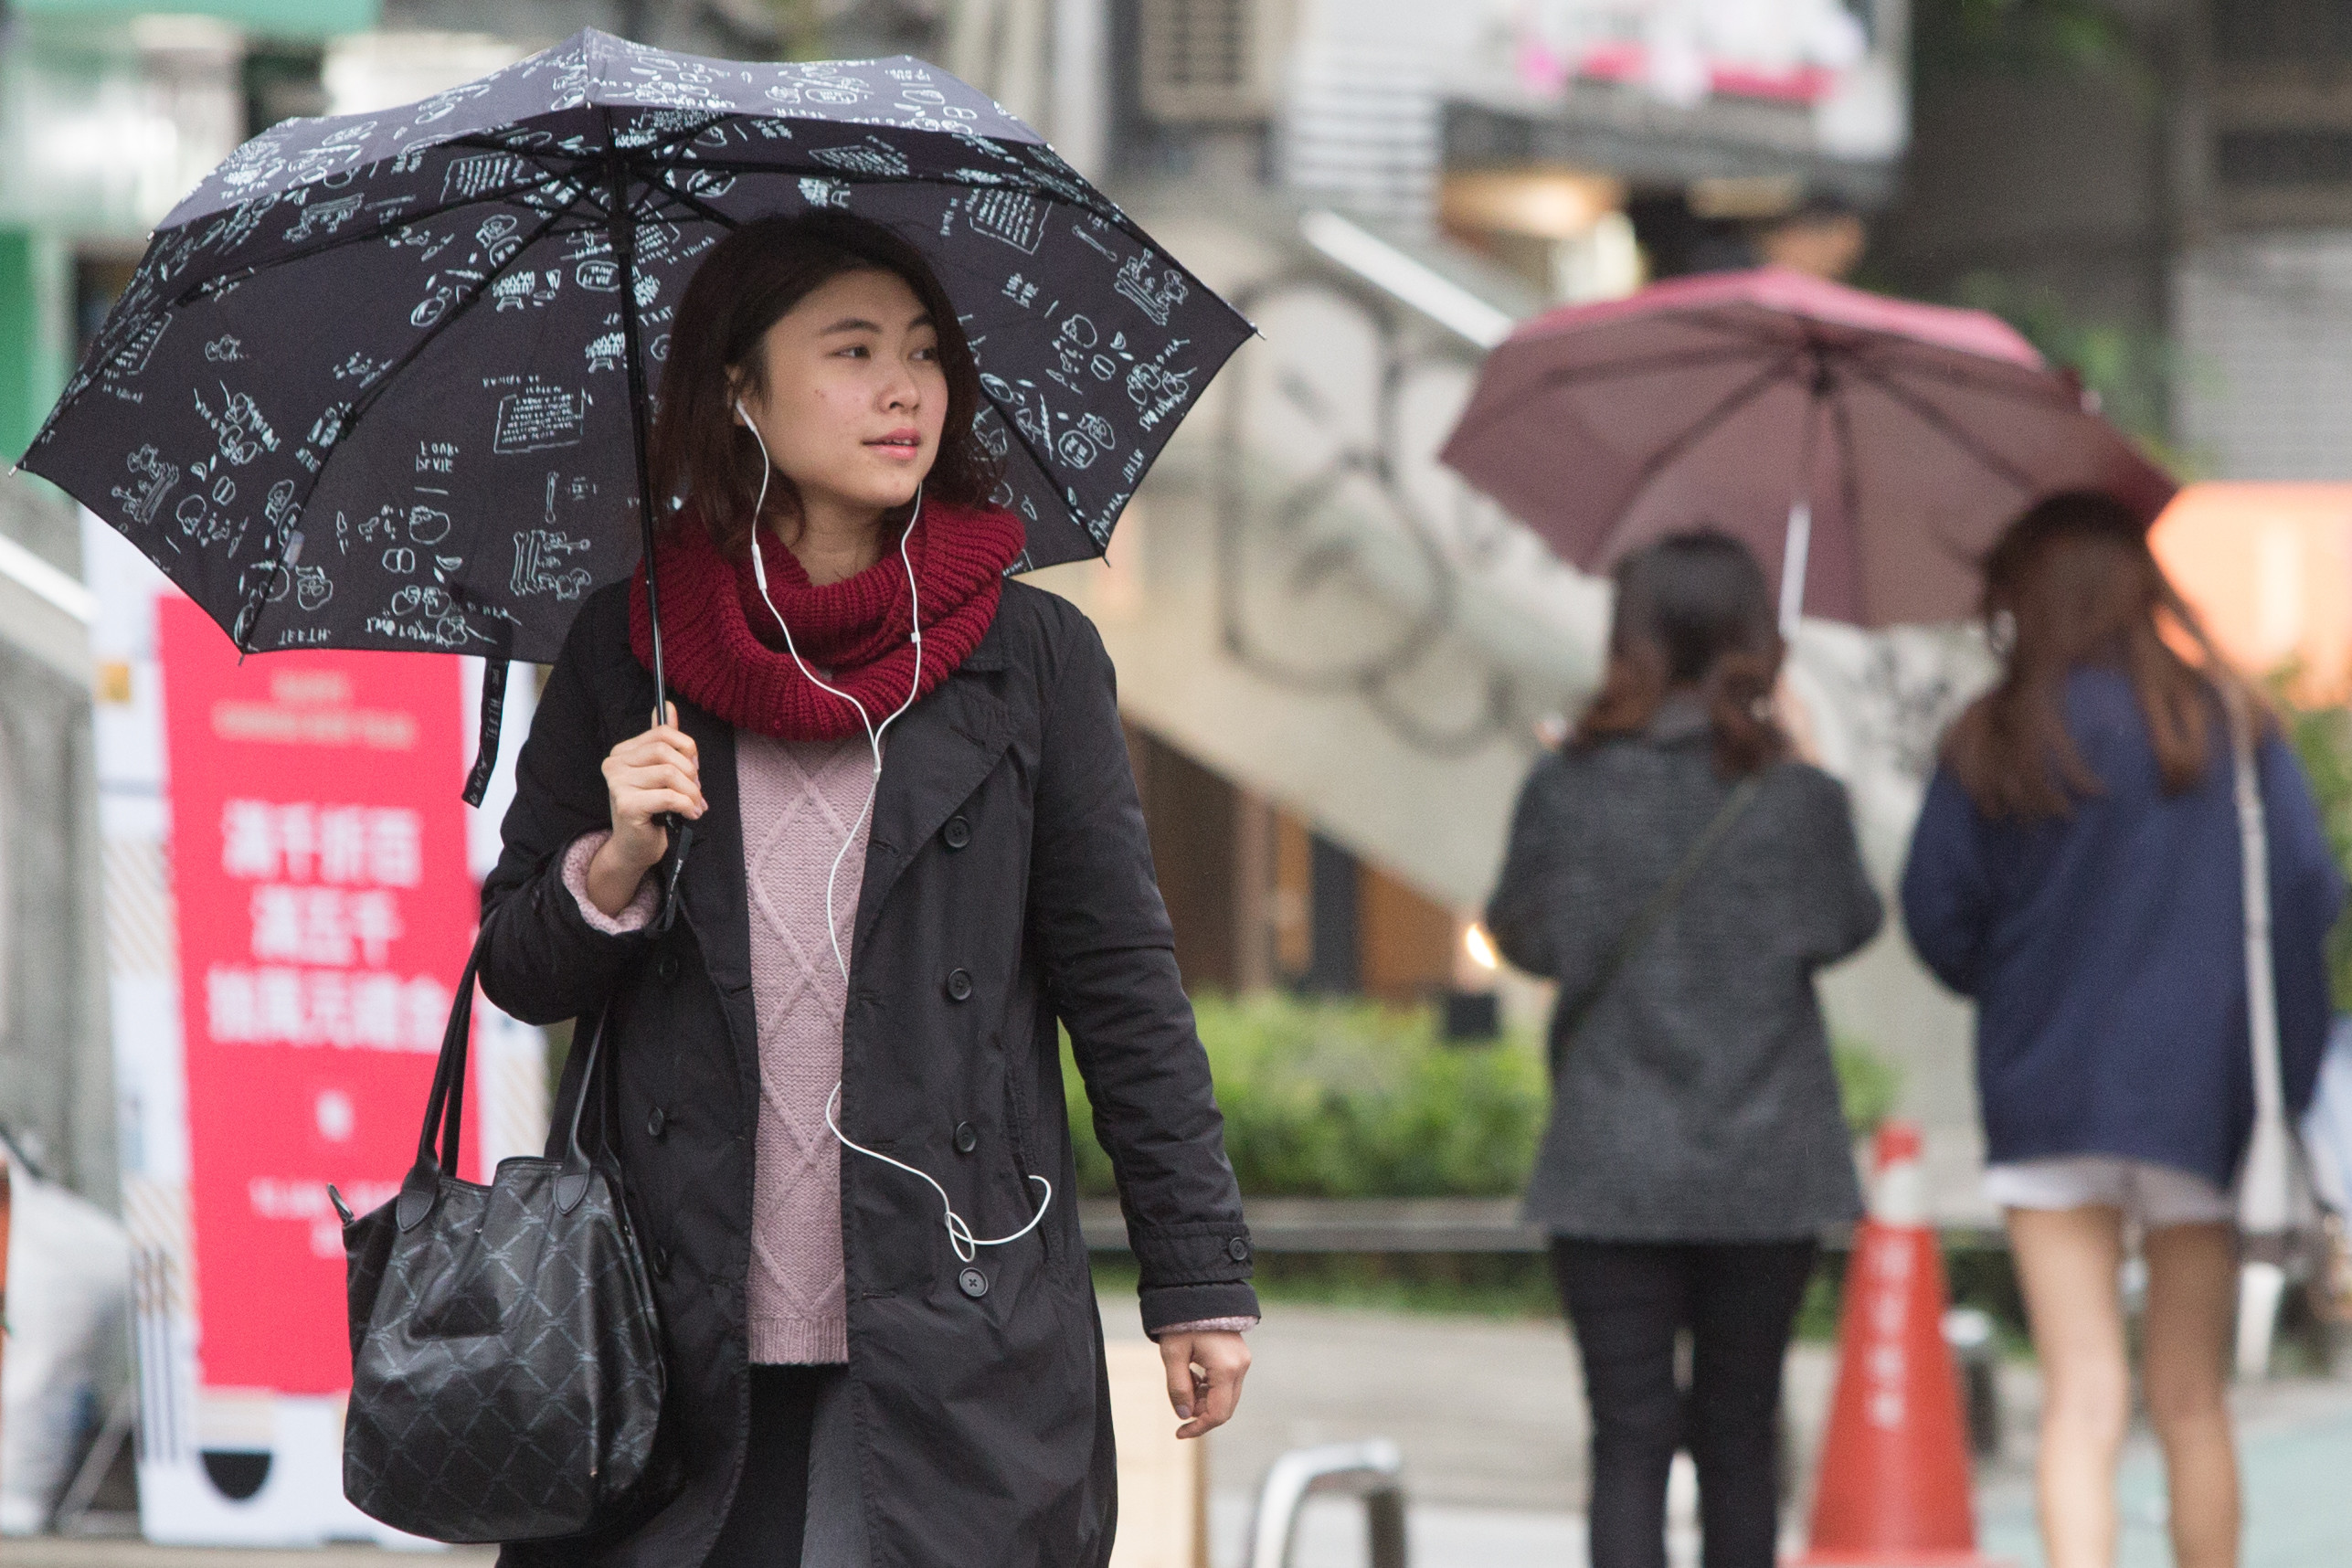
(2076,871)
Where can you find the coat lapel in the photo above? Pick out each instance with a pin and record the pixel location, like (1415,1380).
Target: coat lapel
(932,760)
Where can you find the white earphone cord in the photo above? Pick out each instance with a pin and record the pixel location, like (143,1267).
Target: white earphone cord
(959,1232)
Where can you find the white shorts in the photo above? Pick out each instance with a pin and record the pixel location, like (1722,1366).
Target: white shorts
(2151,1196)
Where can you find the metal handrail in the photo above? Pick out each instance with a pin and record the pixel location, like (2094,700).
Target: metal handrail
(1373,1471)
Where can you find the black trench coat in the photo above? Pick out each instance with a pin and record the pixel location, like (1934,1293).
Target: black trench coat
(1007,883)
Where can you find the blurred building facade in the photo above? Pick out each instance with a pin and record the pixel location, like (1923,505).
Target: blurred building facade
(2178,181)
(1337,659)
(2262,286)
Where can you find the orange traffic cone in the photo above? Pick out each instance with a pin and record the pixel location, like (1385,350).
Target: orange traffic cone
(1893,1491)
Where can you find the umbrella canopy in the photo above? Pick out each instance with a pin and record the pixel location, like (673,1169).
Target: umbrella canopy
(382,380)
(1870,449)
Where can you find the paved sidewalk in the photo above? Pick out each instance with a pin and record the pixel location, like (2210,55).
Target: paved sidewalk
(1490,1413)
(2295,1461)
(1491,1416)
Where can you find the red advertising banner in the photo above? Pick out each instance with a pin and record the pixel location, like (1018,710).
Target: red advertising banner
(318,852)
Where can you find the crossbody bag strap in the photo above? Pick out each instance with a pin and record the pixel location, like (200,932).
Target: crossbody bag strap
(2266,1195)
(1648,918)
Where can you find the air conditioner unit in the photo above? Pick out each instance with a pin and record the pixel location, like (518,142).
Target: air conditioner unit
(1210,61)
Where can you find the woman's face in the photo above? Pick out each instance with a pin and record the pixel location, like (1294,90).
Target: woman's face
(856,396)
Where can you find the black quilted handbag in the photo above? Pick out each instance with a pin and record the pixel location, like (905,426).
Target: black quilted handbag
(505,1364)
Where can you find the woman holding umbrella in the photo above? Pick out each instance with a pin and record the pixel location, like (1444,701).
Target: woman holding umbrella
(836,1095)
(1682,876)
(2077,871)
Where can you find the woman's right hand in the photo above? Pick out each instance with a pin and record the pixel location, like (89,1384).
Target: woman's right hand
(645,777)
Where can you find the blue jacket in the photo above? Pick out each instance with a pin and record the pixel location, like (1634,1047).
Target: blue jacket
(2105,951)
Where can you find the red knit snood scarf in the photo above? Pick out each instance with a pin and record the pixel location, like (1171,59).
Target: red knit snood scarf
(721,648)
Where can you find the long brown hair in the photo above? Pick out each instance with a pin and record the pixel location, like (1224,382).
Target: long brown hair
(1693,611)
(2072,583)
(700,456)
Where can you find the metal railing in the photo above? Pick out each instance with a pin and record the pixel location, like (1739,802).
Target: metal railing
(1373,1471)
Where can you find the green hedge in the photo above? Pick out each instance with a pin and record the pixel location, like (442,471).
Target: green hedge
(2322,738)
(1353,1099)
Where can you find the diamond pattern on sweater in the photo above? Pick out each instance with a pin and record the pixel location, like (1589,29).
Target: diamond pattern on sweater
(802,799)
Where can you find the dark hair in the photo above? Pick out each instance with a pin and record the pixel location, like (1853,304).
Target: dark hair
(1694,609)
(700,455)
(2069,583)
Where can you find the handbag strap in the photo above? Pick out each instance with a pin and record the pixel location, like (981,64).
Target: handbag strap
(1648,918)
(445,1107)
(2265,1197)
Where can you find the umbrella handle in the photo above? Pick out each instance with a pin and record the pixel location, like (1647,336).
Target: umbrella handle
(1794,556)
(1797,548)
(682,838)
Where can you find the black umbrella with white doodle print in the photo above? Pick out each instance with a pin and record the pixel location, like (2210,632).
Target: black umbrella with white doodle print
(383,381)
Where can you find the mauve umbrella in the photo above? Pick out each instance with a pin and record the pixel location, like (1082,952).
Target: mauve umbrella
(1869,450)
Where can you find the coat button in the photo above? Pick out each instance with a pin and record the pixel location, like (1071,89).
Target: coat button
(972,1283)
(957,832)
(665,968)
(661,1263)
(967,1138)
(656,1123)
(1238,1249)
(960,985)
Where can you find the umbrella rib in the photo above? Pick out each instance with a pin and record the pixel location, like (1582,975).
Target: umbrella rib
(542,159)
(1950,549)
(1107,211)
(700,206)
(1854,343)
(1684,359)
(383,382)
(538,158)
(660,144)
(2045,390)
(664,155)
(1849,492)
(1046,469)
(1850,487)
(1700,428)
(1100,206)
(1853,339)
(1945,425)
(1723,318)
(250,616)
(357,237)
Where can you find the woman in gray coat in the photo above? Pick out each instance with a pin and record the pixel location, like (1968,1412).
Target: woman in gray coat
(1681,878)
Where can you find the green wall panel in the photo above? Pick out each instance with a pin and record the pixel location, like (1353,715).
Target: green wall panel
(32,371)
(273,18)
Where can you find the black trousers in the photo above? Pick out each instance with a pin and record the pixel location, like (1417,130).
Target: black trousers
(1630,1301)
(770,1511)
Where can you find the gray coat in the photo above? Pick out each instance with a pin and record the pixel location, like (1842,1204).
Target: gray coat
(1696,1102)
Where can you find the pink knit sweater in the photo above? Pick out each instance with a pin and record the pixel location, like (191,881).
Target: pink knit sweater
(801,801)
(800,798)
